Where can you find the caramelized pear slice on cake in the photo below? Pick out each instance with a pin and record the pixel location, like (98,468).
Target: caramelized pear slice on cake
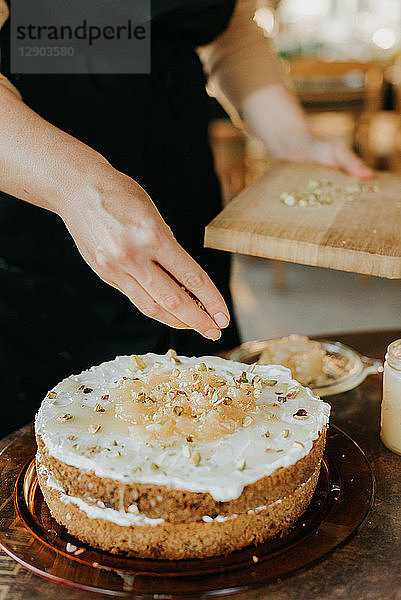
(190,404)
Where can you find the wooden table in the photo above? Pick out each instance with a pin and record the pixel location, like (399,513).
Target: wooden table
(367,568)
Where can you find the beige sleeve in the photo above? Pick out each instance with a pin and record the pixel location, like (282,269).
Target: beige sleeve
(241,60)
(3,80)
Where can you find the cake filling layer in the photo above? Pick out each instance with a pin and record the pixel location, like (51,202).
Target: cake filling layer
(129,519)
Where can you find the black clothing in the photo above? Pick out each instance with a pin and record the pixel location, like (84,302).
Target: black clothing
(56,315)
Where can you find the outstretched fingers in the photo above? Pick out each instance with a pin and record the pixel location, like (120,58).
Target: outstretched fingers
(146,304)
(169,294)
(190,275)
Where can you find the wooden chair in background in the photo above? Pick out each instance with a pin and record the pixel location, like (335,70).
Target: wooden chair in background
(384,133)
(228,145)
(326,86)
(335,94)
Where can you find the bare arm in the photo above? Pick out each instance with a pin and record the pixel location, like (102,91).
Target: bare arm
(39,163)
(116,226)
(246,75)
(275,115)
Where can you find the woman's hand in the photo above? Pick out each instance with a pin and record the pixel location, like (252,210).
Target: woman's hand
(122,236)
(276,117)
(331,155)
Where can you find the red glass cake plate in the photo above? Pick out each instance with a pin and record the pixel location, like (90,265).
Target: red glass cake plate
(343,498)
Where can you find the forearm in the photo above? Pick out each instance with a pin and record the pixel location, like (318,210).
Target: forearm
(275,116)
(39,163)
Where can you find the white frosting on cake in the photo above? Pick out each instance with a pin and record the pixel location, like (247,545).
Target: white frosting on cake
(116,451)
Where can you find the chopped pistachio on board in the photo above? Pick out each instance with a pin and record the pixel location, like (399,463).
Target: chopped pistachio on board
(322,193)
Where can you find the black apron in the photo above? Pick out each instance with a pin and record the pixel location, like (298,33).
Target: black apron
(56,316)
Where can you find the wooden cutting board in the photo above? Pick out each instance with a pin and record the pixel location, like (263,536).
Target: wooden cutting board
(358,232)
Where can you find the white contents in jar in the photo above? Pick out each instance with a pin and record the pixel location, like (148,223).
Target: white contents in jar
(391,402)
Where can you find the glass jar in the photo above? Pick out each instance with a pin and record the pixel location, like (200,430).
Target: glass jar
(390,432)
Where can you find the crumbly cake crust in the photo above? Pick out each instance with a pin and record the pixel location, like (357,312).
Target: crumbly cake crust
(174,505)
(182,540)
